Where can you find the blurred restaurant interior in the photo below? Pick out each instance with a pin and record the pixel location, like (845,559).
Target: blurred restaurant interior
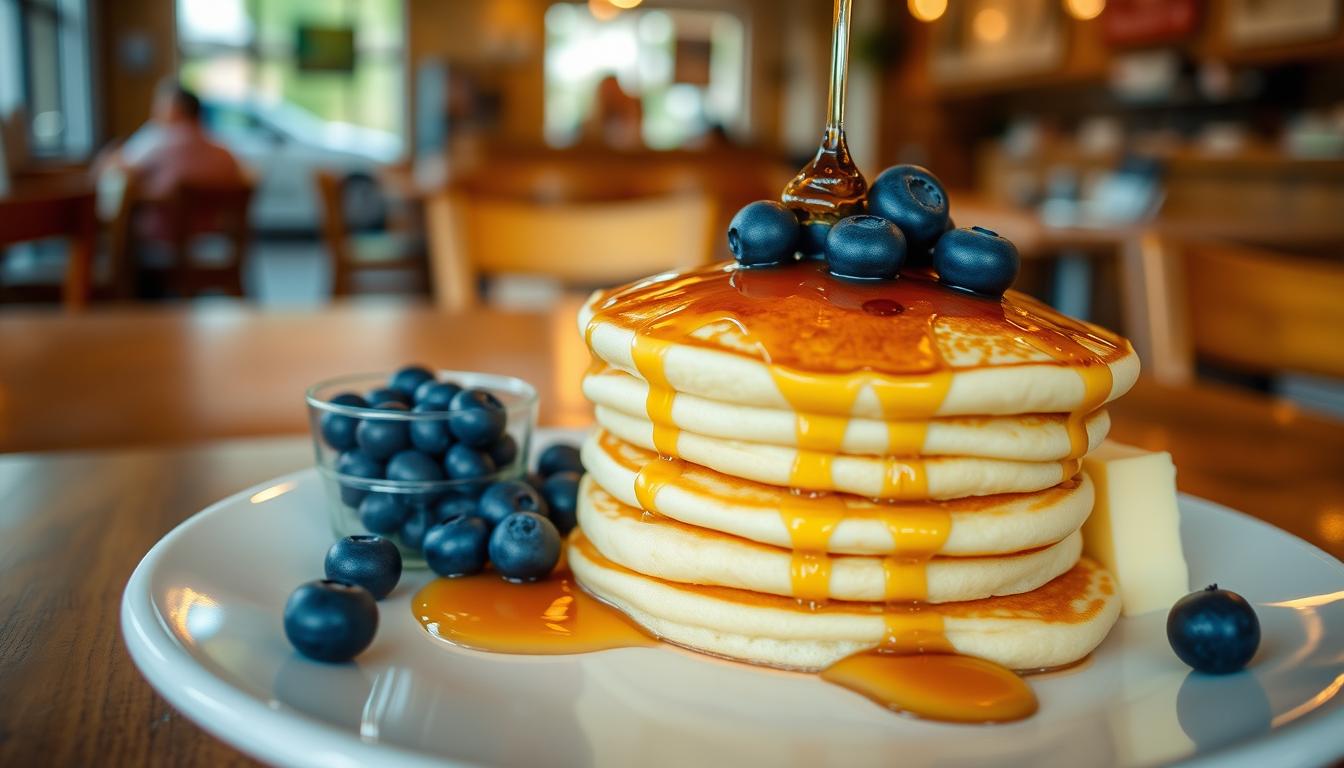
(1171,169)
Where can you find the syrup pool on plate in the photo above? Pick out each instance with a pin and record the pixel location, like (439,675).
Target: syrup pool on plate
(912,671)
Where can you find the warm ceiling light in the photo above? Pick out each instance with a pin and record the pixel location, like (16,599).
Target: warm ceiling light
(1083,10)
(626,4)
(602,10)
(927,10)
(990,25)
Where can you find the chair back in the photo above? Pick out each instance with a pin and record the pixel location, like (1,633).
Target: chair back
(580,244)
(335,231)
(178,219)
(1265,311)
(24,218)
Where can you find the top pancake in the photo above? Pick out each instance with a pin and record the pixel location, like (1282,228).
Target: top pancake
(794,337)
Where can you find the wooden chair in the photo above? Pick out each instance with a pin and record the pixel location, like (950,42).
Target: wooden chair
(178,221)
(351,256)
(581,244)
(55,213)
(1248,308)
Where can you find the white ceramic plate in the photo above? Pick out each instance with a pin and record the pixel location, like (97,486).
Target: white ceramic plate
(201,616)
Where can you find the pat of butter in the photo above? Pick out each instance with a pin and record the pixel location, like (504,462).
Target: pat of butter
(1135,527)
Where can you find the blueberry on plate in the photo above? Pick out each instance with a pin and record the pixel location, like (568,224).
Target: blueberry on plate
(1213,630)
(357,464)
(454,506)
(525,547)
(436,395)
(457,546)
(865,247)
(812,239)
(503,451)
(505,497)
(560,457)
(371,562)
(561,494)
(380,438)
(330,621)
(476,417)
(413,467)
(377,397)
(382,513)
(408,379)
(463,462)
(976,260)
(913,199)
(412,533)
(429,435)
(762,234)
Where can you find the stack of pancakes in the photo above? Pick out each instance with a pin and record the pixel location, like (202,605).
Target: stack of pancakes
(792,468)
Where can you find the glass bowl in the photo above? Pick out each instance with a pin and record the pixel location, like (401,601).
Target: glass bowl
(414,502)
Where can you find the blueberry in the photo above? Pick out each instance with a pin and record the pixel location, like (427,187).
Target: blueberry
(454,506)
(377,397)
(330,620)
(976,260)
(337,429)
(466,463)
(560,457)
(535,479)
(525,547)
(457,546)
(350,399)
(476,417)
(506,497)
(413,467)
(408,379)
(913,199)
(436,395)
(1213,630)
(561,494)
(357,464)
(866,247)
(763,234)
(371,562)
(380,438)
(429,435)
(382,513)
(412,534)
(812,239)
(503,451)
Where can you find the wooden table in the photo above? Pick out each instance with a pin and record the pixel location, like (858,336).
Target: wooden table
(192,382)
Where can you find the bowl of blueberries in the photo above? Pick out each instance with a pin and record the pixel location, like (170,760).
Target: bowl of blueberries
(399,452)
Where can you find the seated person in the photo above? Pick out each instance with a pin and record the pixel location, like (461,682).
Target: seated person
(173,148)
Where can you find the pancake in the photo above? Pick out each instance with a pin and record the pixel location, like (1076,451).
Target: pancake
(666,549)
(1052,626)
(977,525)
(896,478)
(1029,437)
(794,338)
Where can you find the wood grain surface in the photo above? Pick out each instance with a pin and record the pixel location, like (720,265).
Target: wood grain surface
(134,419)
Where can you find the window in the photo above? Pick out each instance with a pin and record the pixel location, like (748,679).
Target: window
(686,68)
(44,72)
(340,60)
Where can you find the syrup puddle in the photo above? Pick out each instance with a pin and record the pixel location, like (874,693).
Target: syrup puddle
(556,617)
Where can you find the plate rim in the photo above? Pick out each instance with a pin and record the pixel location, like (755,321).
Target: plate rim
(229,713)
